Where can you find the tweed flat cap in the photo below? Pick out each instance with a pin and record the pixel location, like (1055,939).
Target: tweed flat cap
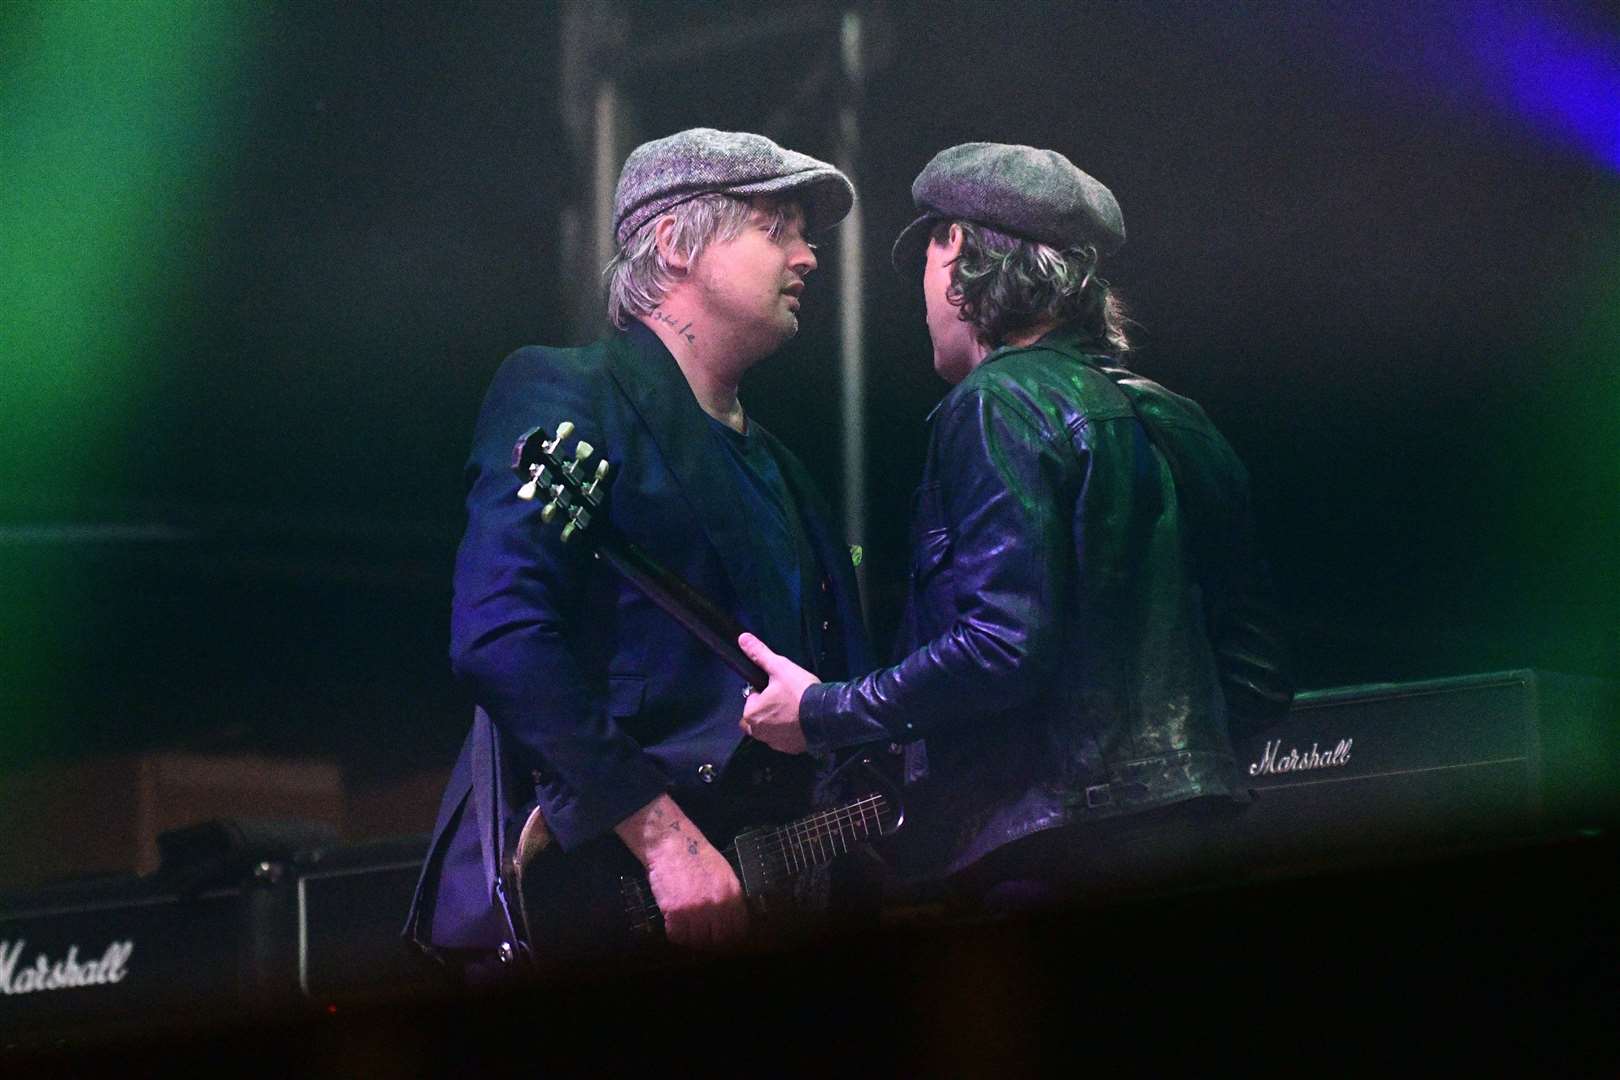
(666,172)
(1035,194)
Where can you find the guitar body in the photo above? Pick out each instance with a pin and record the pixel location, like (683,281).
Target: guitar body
(587,905)
(595,905)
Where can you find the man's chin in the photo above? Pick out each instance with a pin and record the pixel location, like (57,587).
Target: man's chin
(772,336)
(786,329)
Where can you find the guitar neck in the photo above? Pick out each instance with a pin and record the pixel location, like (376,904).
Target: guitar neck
(709,623)
(768,858)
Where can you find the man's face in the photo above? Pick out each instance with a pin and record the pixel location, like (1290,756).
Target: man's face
(956,350)
(754,280)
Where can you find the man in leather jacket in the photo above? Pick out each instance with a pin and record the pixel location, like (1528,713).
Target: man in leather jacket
(1087,617)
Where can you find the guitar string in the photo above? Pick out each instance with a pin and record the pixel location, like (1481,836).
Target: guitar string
(813,828)
(841,825)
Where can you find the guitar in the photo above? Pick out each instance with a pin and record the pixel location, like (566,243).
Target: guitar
(597,901)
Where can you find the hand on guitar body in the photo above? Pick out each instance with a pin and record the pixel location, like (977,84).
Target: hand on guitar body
(695,887)
(771,715)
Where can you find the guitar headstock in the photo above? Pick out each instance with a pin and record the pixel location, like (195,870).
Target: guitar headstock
(575,488)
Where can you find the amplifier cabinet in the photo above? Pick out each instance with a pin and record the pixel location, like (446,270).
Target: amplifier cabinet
(351,905)
(1446,761)
(126,955)
(117,954)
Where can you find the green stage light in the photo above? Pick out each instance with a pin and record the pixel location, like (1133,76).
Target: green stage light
(115,120)
(118,121)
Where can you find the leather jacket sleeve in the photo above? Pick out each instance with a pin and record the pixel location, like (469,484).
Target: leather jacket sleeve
(992,523)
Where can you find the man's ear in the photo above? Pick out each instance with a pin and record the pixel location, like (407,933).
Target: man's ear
(664,237)
(951,245)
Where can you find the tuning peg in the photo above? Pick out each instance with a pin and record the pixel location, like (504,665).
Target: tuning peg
(599,480)
(529,490)
(568,532)
(548,512)
(564,429)
(583,450)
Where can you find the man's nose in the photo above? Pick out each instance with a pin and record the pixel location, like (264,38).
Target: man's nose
(803,259)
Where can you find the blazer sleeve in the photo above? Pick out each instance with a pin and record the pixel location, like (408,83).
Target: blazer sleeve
(517,606)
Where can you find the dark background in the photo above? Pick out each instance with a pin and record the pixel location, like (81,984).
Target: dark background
(1389,275)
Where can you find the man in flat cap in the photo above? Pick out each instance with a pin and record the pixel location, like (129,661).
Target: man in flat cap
(1087,617)
(592,704)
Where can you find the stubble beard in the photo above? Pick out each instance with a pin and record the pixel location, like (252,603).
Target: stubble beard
(772,332)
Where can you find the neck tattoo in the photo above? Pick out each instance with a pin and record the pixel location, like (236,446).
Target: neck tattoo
(660,315)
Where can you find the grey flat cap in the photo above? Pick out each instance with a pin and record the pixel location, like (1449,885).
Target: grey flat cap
(666,172)
(1030,193)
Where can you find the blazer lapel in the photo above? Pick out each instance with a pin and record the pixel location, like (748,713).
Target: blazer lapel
(649,377)
(834,556)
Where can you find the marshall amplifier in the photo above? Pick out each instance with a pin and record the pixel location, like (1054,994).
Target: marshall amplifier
(207,936)
(103,956)
(111,957)
(1373,769)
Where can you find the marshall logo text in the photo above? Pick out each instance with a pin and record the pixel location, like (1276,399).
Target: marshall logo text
(63,974)
(1272,762)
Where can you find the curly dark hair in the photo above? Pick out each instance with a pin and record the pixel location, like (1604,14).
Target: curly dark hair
(1004,284)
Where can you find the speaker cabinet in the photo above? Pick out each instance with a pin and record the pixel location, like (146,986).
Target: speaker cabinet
(351,905)
(1365,770)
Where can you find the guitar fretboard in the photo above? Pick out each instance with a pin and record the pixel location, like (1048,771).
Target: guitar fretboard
(768,858)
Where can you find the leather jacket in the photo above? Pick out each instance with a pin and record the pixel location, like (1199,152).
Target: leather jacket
(1086,619)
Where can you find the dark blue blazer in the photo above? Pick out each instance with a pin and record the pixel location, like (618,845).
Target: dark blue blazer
(590,700)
